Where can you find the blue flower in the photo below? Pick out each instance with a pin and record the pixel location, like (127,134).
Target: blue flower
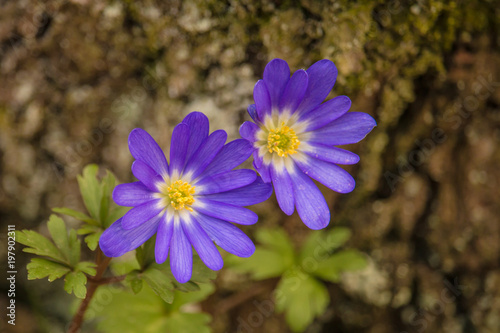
(192,201)
(294,133)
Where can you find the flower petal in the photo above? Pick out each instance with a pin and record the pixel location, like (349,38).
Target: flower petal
(326,112)
(263,170)
(207,251)
(140,214)
(179,148)
(181,254)
(328,174)
(310,203)
(225,181)
(227,236)
(262,99)
(205,153)
(146,175)
(294,92)
(229,157)
(132,194)
(350,128)
(252,194)
(198,131)
(224,211)
(322,76)
(283,189)
(257,159)
(144,148)
(163,238)
(248,131)
(116,241)
(330,154)
(276,76)
(252,111)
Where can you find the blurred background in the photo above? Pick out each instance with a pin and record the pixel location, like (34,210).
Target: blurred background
(77,76)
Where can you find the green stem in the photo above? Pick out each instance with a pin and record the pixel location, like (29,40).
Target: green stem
(102,263)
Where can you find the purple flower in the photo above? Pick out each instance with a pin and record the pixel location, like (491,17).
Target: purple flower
(189,202)
(294,135)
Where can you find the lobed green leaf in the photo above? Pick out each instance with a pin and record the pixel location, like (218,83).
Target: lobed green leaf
(343,261)
(76,214)
(93,234)
(302,298)
(107,186)
(149,314)
(59,233)
(39,268)
(75,282)
(74,251)
(276,240)
(183,298)
(320,244)
(134,280)
(39,245)
(160,284)
(90,190)
(145,254)
(271,259)
(115,214)
(263,264)
(86,267)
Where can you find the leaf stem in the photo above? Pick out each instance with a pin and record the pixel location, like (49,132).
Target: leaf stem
(93,283)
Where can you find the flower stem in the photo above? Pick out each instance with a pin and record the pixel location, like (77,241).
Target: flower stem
(102,263)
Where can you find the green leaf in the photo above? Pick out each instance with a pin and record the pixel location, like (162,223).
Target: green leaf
(39,268)
(74,248)
(347,260)
(320,244)
(90,190)
(93,240)
(276,240)
(88,229)
(201,273)
(302,298)
(274,257)
(145,254)
(149,313)
(86,267)
(183,298)
(76,214)
(263,264)
(57,229)
(93,232)
(134,280)
(185,287)
(75,283)
(39,245)
(160,284)
(115,214)
(107,186)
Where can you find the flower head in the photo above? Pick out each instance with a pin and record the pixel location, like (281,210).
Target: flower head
(190,202)
(294,133)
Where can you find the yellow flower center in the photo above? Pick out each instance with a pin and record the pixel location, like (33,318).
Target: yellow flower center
(180,194)
(282,140)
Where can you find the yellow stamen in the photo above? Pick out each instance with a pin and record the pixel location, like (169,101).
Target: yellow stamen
(282,140)
(180,194)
